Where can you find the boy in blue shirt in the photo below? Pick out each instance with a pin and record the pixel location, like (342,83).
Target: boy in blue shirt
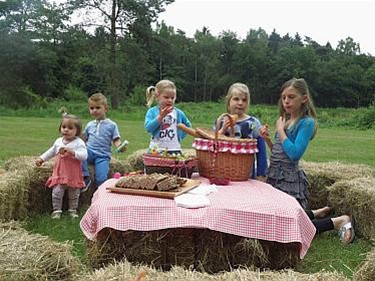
(99,136)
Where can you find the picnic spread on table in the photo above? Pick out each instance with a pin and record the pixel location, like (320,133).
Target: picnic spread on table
(250,209)
(220,197)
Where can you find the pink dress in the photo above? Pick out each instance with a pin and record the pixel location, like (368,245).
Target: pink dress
(68,171)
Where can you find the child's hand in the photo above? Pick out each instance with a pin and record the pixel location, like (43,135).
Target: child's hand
(226,122)
(264,132)
(121,146)
(66,150)
(39,162)
(165,111)
(69,151)
(280,124)
(62,150)
(226,125)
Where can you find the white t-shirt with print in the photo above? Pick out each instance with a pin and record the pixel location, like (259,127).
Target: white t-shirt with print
(167,137)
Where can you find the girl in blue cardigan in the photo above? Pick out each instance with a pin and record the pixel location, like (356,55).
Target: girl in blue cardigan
(295,128)
(161,120)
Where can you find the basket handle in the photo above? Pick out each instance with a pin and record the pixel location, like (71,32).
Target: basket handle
(232,122)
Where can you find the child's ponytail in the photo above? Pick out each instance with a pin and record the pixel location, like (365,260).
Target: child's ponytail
(150,95)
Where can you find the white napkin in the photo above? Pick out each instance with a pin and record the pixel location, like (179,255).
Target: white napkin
(192,201)
(203,189)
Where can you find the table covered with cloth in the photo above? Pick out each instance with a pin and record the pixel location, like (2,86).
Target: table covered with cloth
(250,209)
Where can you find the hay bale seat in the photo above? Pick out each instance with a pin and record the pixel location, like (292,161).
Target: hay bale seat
(202,249)
(356,197)
(366,271)
(22,188)
(323,175)
(25,256)
(23,191)
(124,271)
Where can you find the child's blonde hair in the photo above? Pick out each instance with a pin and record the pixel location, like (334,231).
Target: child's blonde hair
(75,120)
(161,86)
(240,87)
(307,108)
(98,98)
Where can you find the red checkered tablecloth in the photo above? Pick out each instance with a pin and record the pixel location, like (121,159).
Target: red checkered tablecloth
(250,209)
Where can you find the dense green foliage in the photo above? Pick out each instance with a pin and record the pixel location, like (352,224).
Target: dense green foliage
(44,57)
(204,112)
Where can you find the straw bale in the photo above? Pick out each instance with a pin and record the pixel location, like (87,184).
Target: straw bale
(202,249)
(27,256)
(124,271)
(13,195)
(221,251)
(135,159)
(23,190)
(19,162)
(30,180)
(119,166)
(366,271)
(323,175)
(356,197)
(150,247)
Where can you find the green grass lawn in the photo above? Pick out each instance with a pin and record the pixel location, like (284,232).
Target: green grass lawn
(32,136)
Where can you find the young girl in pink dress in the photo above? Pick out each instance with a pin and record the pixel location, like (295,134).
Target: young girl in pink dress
(69,152)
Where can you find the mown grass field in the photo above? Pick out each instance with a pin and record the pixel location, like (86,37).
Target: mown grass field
(32,136)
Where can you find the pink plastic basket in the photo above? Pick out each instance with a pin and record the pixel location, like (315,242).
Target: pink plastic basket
(171,165)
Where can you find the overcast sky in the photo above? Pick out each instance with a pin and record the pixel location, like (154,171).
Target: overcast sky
(323,21)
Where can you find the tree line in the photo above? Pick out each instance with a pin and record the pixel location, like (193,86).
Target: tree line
(114,48)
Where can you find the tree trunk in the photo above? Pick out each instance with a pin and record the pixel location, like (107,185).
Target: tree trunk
(160,68)
(112,81)
(205,84)
(196,81)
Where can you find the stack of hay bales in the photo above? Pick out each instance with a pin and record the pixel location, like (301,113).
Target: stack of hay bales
(135,160)
(124,271)
(356,197)
(202,249)
(366,271)
(117,166)
(22,188)
(323,175)
(27,256)
(210,251)
(23,191)
(34,257)
(13,197)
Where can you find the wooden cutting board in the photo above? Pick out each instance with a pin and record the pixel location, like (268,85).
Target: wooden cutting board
(188,185)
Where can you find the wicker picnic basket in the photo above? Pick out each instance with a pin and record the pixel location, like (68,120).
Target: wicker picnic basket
(224,157)
(172,165)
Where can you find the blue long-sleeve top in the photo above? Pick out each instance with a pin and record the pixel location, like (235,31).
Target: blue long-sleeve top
(152,125)
(249,128)
(299,136)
